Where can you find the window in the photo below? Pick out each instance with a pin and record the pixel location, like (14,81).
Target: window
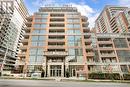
(37,25)
(44,14)
(32,59)
(77,32)
(33,51)
(40,25)
(41,44)
(43,25)
(44,20)
(34,43)
(42,37)
(71,51)
(71,43)
(35,32)
(70,32)
(36,55)
(34,38)
(72,20)
(73,25)
(70,38)
(37,20)
(120,43)
(124,55)
(38,43)
(43,32)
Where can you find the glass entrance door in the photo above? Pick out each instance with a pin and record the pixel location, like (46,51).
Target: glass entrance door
(55,70)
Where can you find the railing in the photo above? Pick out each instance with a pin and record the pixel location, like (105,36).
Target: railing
(53,53)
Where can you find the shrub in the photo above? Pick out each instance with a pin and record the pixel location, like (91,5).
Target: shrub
(112,76)
(126,76)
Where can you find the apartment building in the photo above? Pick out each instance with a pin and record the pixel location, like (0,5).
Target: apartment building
(56,41)
(113,19)
(12,18)
(112,53)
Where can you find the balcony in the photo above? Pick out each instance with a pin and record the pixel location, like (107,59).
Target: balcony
(105,42)
(88,47)
(28,24)
(55,53)
(24,40)
(22,55)
(28,29)
(56,40)
(88,41)
(108,55)
(90,54)
(23,47)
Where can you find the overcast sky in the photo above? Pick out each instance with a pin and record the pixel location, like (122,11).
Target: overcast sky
(89,8)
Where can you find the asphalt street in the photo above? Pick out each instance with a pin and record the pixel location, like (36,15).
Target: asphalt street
(42,83)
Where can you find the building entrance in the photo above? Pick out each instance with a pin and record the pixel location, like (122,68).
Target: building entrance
(55,70)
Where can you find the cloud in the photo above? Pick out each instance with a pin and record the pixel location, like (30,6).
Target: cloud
(88,12)
(124,2)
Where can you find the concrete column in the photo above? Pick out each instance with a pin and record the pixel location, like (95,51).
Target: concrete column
(62,70)
(48,71)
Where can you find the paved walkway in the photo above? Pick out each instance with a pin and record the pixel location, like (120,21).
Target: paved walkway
(41,83)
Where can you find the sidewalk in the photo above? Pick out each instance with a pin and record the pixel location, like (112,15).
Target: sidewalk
(58,79)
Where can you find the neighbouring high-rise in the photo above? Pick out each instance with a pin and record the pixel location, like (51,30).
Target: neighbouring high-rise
(113,19)
(12,19)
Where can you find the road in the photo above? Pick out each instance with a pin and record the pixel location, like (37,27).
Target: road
(42,83)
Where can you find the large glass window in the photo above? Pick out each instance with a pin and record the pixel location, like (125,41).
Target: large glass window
(71,51)
(40,20)
(73,25)
(71,38)
(35,32)
(120,43)
(34,43)
(34,38)
(37,25)
(42,32)
(42,37)
(124,55)
(41,44)
(40,25)
(44,14)
(75,55)
(71,43)
(32,59)
(70,26)
(70,32)
(36,55)
(38,43)
(43,25)
(37,20)
(33,51)
(73,20)
(74,41)
(44,20)
(77,32)
(39,32)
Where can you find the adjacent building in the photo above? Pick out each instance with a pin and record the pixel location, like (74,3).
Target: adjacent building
(12,18)
(112,53)
(113,19)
